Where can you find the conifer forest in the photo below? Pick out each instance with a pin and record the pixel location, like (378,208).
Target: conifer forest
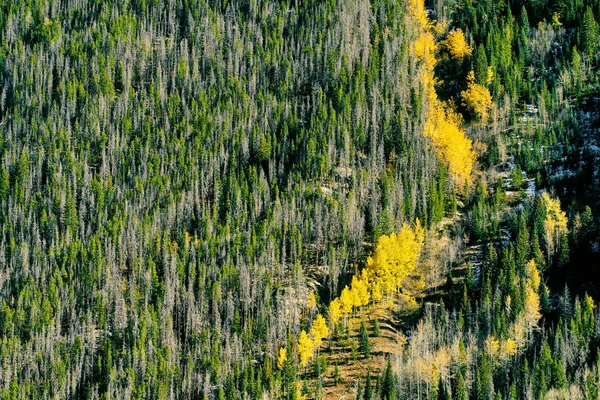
(300,199)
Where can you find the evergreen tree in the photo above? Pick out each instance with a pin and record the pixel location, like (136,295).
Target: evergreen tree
(481,66)
(4,184)
(589,34)
(368,388)
(376,329)
(364,340)
(388,385)
(523,248)
(461,392)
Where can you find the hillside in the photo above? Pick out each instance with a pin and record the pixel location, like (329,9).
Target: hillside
(272,199)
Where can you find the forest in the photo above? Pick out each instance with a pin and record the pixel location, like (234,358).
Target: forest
(283,199)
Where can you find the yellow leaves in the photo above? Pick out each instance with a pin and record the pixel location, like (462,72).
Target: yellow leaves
(556,219)
(419,232)
(311,303)
(556,20)
(471,76)
(425,48)
(492,346)
(417,9)
(306,348)
(590,305)
(307,344)
(335,311)
(490,75)
(450,141)
(346,301)
(533,275)
(298,391)
(477,98)
(319,330)
(360,290)
(282,358)
(376,290)
(443,125)
(457,45)
(532,307)
(430,366)
(508,348)
(395,258)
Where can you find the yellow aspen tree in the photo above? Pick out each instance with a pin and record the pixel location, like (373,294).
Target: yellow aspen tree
(359,291)
(375,288)
(556,219)
(490,75)
(334,311)
(532,307)
(477,98)
(311,302)
(533,275)
(306,348)
(395,257)
(282,358)
(319,330)
(442,125)
(457,45)
(417,9)
(346,301)
(508,348)
(492,345)
(425,48)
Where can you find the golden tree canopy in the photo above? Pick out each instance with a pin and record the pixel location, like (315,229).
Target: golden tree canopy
(395,258)
(311,302)
(360,291)
(282,358)
(451,142)
(346,301)
(477,98)
(457,45)
(319,330)
(334,311)
(306,348)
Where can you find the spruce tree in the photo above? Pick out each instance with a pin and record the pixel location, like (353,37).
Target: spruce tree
(589,34)
(388,385)
(364,340)
(368,388)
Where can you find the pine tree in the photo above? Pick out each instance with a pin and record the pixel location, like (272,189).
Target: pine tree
(376,329)
(364,340)
(461,392)
(523,246)
(563,251)
(481,66)
(368,387)
(589,33)
(4,184)
(388,385)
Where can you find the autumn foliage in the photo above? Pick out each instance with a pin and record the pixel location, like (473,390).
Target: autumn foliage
(393,260)
(442,124)
(477,98)
(457,45)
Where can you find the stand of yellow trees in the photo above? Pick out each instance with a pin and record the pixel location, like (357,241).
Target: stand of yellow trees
(394,259)
(442,123)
